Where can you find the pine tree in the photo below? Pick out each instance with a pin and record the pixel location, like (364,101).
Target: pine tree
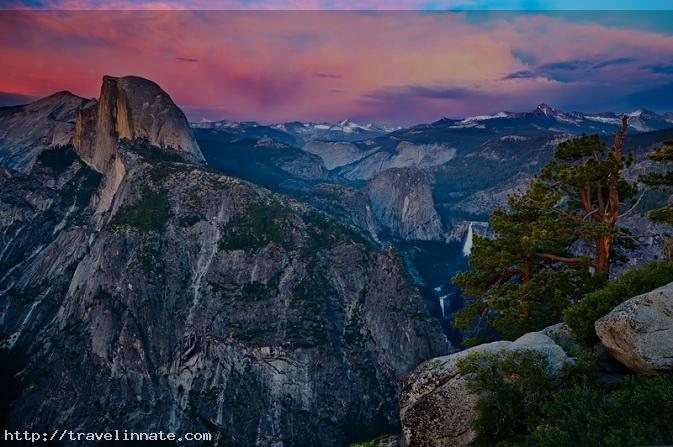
(589,175)
(553,243)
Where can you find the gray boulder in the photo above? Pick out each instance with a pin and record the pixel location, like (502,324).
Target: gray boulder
(639,332)
(436,408)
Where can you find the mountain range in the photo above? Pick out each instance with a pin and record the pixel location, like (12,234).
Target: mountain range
(544,117)
(270,284)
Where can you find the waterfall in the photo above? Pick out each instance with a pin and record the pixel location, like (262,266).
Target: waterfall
(467,248)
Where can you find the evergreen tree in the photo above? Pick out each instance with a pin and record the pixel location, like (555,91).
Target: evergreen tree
(553,243)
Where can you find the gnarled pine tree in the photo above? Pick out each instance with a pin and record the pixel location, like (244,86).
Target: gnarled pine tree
(552,245)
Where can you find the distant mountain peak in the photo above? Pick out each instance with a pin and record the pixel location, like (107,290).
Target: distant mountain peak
(642,112)
(545,109)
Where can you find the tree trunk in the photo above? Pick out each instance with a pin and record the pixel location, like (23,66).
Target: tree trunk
(611,212)
(603,245)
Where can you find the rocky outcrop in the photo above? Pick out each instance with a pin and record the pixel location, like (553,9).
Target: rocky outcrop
(27,131)
(401,201)
(639,332)
(130,108)
(209,304)
(436,408)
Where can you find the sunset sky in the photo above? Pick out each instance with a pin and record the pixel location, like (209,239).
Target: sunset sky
(394,67)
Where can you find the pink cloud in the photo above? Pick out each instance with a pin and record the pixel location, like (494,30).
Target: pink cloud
(262,65)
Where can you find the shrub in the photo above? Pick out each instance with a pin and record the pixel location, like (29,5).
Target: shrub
(640,412)
(581,316)
(377,442)
(150,212)
(513,389)
(256,227)
(58,159)
(522,404)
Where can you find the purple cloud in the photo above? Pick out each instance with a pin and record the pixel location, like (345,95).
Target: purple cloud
(659,68)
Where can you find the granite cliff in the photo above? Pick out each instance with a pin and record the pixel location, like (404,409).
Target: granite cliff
(136,110)
(141,289)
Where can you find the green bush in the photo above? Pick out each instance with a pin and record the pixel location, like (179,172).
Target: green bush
(256,227)
(522,404)
(150,212)
(377,442)
(581,316)
(513,389)
(639,413)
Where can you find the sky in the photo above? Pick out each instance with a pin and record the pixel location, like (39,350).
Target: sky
(425,5)
(386,67)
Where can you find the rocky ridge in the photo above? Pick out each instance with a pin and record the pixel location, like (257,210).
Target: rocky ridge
(28,130)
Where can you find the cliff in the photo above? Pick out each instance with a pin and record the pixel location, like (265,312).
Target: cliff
(401,201)
(132,109)
(146,292)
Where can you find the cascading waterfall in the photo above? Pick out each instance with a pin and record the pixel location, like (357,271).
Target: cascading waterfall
(467,247)
(442,305)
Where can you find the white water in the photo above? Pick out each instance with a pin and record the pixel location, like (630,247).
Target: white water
(441,305)
(467,248)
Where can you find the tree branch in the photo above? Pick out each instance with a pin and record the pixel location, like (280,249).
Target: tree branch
(627,212)
(563,259)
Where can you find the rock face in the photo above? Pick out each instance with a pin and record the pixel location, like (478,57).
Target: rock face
(132,109)
(436,408)
(401,200)
(194,301)
(639,332)
(26,131)
(403,154)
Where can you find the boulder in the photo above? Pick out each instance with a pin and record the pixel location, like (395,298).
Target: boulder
(436,408)
(639,332)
